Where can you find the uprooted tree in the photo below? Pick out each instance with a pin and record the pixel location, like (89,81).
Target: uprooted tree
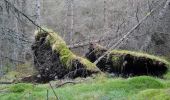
(54,60)
(122,62)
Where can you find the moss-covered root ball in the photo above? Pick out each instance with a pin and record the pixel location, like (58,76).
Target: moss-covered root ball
(127,63)
(54,60)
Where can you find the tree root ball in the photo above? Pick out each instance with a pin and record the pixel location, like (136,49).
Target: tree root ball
(127,63)
(54,60)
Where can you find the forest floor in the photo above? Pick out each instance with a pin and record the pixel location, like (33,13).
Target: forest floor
(96,87)
(92,88)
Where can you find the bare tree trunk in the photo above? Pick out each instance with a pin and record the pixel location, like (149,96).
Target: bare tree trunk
(38,12)
(17,39)
(1,59)
(105,22)
(72,21)
(69,21)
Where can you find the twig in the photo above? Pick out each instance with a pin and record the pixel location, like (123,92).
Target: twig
(57,98)
(136,14)
(6,82)
(68,82)
(47,94)
(82,44)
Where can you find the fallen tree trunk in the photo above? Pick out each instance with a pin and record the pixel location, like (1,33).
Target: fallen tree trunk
(54,60)
(6,82)
(127,62)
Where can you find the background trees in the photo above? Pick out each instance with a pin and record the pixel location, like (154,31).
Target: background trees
(80,21)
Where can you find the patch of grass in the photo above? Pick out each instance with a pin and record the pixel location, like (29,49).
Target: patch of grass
(100,88)
(23,91)
(167,76)
(153,94)
(143,82)
(21,87)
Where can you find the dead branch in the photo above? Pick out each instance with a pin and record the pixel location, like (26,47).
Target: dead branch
(57,98)
(64,83)
(136,14)
(6,82)
(82,44)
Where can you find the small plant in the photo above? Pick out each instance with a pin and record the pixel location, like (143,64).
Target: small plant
(21,87)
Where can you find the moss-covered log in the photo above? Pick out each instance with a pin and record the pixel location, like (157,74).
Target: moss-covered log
(53,59)
(127,62)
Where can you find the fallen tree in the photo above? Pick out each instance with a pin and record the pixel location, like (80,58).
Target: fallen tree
(127,62)
(54,60)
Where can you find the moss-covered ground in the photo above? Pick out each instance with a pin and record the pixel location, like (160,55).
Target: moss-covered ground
(96,88)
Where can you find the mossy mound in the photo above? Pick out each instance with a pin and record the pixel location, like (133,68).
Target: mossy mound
(153,94)
(21,87)
(127,62)
(143,82)
(53,59)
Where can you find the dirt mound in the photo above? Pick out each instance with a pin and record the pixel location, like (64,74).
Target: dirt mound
(127,62)
(54,60)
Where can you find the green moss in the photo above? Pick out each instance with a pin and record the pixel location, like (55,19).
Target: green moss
(167,76)
(58,45)
(114,59)
(145,82)
(140,54)
(20,87)
(116,62)
(25,87)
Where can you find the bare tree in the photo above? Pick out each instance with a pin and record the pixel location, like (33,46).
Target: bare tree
(38,12)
